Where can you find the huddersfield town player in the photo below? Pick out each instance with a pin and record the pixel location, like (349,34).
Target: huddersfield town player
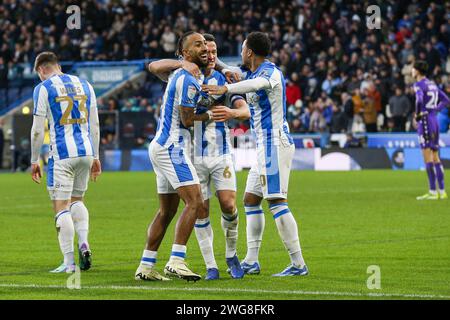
(214,164)
(429,101)
(176,176)
(69,104)
(213,161)
(269,179)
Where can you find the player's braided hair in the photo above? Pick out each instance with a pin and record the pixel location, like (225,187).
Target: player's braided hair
(179,52)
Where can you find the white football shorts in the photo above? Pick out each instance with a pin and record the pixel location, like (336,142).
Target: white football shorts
(172,167)
(218,171)
(269,177)
(69,177)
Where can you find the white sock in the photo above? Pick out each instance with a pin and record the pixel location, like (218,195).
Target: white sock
(149,258)
(64,226)
(80,217)
(255,228)
(204,241)
(178,252)
(287,229)
(230,228)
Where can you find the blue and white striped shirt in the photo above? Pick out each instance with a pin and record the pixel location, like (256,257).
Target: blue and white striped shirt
(268,106)
(66,101)
(182,90)
(213,139)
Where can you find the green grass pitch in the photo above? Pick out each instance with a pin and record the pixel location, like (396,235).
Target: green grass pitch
(348,221)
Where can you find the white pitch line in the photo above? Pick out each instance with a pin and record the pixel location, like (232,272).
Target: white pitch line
(233,290)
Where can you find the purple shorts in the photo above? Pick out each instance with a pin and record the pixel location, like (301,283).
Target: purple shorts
(428,131)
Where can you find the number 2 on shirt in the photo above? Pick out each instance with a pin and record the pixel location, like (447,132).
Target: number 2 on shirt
(81,107)
(433,101)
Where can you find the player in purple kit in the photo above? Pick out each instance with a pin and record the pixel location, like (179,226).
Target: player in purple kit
(429,101)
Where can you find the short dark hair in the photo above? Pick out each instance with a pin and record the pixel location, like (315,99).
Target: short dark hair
(43,58)
(180,45)
(421,66)
(259,43)
(209,37)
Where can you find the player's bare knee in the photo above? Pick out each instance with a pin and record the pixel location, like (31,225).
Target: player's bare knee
(228,206)
(251,200)
(195,204)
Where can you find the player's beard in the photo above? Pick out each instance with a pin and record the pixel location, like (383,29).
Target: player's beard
(199,61)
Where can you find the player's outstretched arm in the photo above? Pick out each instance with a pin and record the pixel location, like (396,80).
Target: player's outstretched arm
(233,74)
(246,86)
(163,68)
(240,111)
(188,116)
(37,139)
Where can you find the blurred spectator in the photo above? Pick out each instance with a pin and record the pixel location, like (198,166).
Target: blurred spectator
(168,42)
(3,80)
(293,92)
(348,109)
(406,70)
(369,113)
(317,120)
(130,106)
(112,105)
(352,142)
(339,120)
(399,106)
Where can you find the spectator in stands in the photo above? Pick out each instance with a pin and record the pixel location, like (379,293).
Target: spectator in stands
(4,85)
(168,42)
(294,111)
(369,113)
(112,105)
(339,120)
(399,106)
(352,142)
(406,70)
(130,106)
(293,92)
(348,109)
(101,104)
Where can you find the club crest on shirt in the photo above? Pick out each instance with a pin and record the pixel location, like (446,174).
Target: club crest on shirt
(191,92)
(252,98)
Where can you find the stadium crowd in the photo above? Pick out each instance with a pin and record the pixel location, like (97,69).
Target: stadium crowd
(341,75)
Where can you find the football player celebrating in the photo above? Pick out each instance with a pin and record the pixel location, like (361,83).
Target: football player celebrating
(213,161)
(69,104)
(429,101)
(175,175)
(269,178)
